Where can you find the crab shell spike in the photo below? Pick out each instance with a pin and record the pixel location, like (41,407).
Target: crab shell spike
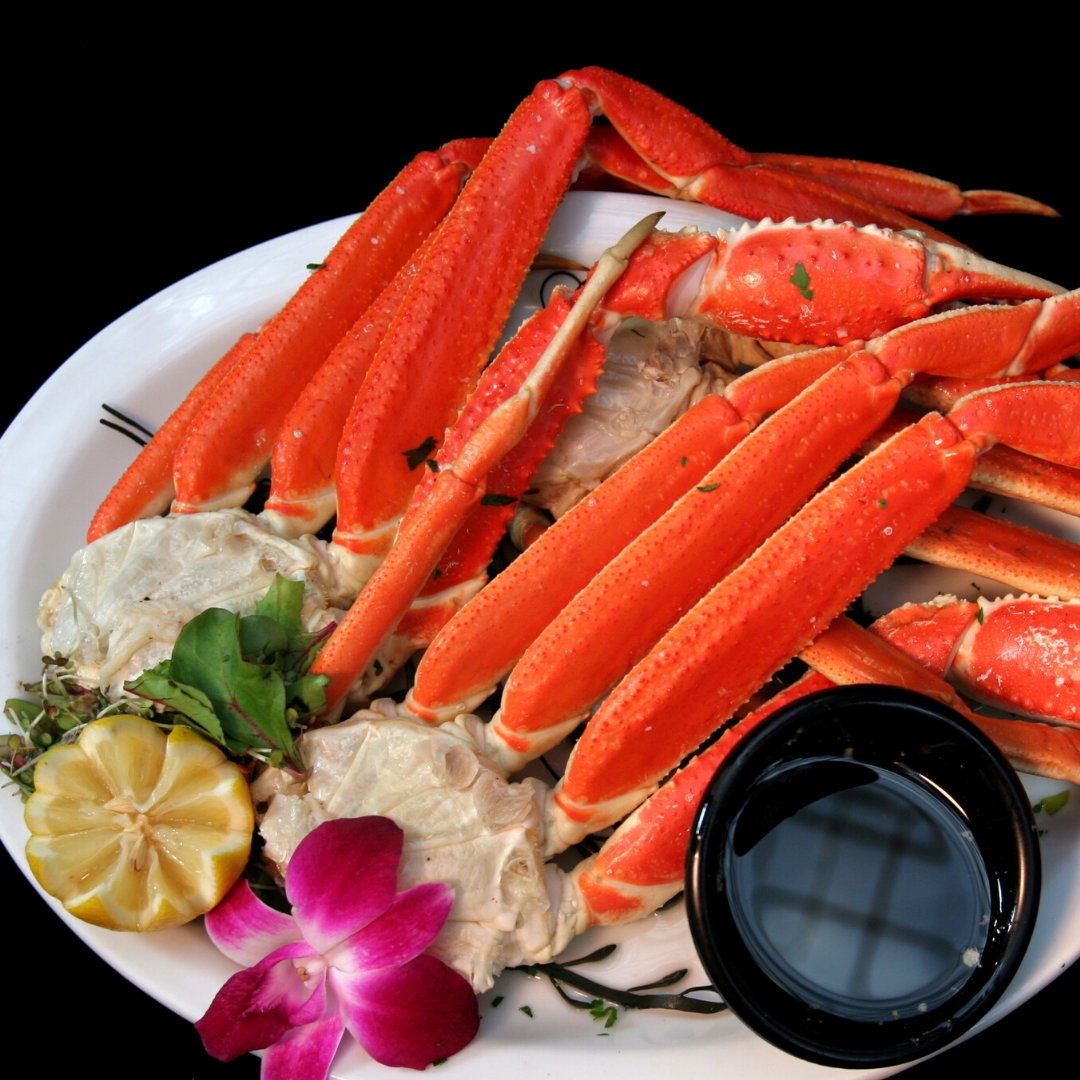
(146,489)
(1015,555)
(914,193)
(231,439)
(430,523)
(453,313)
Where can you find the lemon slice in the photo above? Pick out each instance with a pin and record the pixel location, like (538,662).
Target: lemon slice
(136,830)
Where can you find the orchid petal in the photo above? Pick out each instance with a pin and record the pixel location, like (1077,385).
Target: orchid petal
(256,1006)
(306,1051)
(245,929)
(411,1015)
(403,932)
(342,876)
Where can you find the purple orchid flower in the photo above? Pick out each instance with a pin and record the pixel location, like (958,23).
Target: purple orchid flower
(350,956)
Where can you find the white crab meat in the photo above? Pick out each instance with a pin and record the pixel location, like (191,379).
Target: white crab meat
(123,600)
(463,823)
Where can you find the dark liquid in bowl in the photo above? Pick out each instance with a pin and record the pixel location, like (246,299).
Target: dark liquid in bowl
(858,890)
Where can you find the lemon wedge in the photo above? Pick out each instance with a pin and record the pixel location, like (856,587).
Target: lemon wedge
(134,829)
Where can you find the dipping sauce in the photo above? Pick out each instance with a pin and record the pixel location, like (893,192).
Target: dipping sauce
(862,876)
(857,889)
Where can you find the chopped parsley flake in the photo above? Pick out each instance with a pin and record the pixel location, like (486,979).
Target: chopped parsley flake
(801,280)
(315,266)
(709,487)
(1052,803)
(419,454)
(526,1010)
(496,1002)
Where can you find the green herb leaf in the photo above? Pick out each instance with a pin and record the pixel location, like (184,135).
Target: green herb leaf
(432,464)
(419,454)
(498,500)
(1052,803)
(981,616)
(882,503)
(709,487)
(249,700)
(377,665)
(599,1011)
(801,280)
(303,648)
(282,603)
(684,461)
(315,266)
(526,1010)
(262,639)
(189,701)
(436,574)
(496,1002)
(307,695)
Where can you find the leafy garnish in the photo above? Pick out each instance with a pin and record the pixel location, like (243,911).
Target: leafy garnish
(433,465)
(315,266)
(419,454)
(527,1011)
(801,280)
(244,682)
(61,708)
(709,487)
(498,500)
(684,461)
(981,616)
(497,1001)
(882,503)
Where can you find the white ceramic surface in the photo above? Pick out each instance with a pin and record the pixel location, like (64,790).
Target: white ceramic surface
(57,463)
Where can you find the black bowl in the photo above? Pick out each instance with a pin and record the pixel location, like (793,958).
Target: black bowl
(835,745)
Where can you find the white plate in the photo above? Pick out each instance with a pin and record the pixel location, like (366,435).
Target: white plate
(57,463)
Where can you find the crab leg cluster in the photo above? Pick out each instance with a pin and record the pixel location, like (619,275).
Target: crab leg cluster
(692,574)
(641,865)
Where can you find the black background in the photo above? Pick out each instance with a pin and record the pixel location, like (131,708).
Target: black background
(138,161)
